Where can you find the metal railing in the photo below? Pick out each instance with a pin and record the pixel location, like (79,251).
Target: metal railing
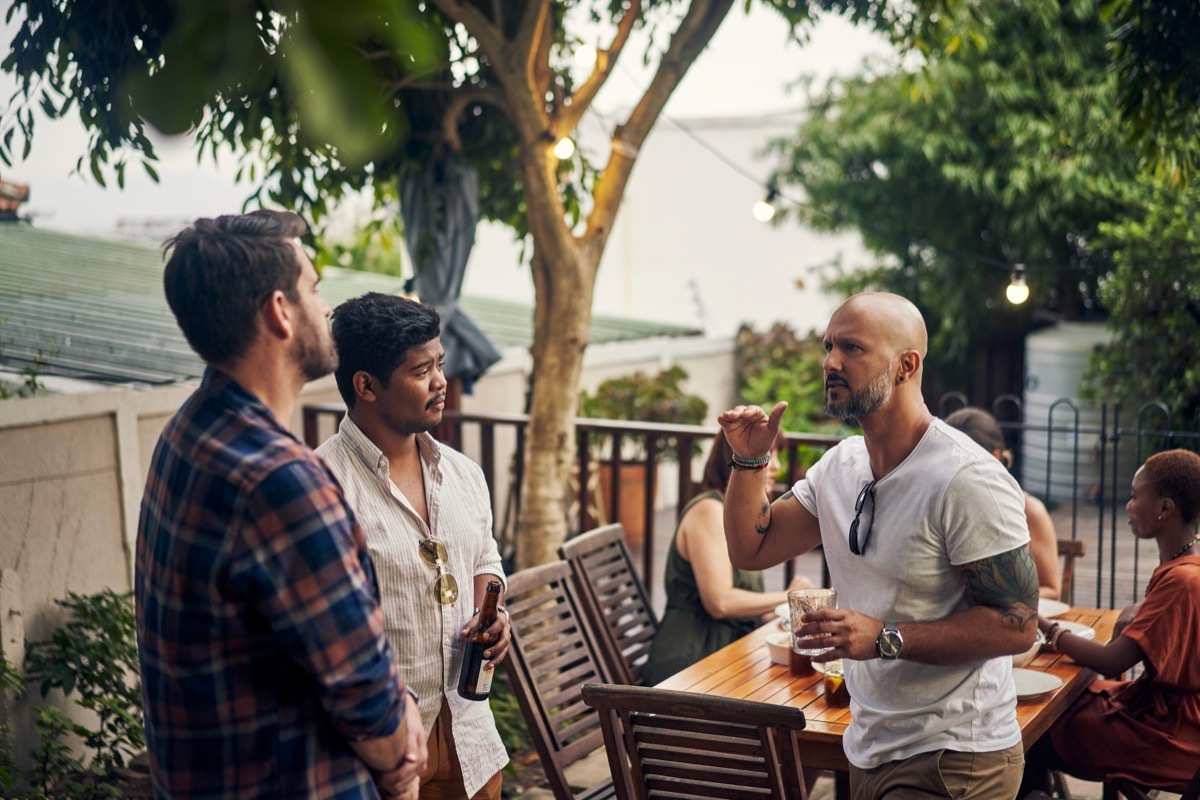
(1079,460)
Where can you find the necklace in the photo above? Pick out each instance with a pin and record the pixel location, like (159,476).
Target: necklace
(1184,549)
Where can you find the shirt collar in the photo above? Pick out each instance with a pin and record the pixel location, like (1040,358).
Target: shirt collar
(370,454)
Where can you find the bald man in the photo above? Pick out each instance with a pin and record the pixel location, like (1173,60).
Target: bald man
(925,537)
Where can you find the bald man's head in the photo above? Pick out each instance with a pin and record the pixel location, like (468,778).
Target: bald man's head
(894,319)
(875,345)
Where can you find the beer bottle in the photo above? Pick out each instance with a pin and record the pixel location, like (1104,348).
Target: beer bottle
(475,679)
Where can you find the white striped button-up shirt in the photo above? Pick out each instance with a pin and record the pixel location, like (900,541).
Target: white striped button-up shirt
(424,633)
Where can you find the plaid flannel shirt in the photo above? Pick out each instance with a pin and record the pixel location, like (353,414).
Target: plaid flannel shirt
(260,635)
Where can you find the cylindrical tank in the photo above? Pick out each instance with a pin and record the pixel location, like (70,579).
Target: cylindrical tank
(1055,360)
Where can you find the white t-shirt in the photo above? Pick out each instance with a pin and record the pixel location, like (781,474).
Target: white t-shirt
(948,503)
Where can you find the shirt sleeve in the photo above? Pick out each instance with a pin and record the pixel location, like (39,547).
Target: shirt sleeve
(306,569)
(1167,623)
(983,514)
(487,560)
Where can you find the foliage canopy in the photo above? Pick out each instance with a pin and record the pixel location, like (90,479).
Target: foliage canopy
(957,170)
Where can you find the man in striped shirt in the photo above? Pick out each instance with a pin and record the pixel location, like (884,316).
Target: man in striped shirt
(265,669)
(428,521)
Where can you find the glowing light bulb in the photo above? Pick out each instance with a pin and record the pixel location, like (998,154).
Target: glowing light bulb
(763,211)
(564,148)
(1017,292)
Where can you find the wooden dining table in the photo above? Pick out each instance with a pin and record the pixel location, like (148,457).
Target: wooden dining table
(744,670)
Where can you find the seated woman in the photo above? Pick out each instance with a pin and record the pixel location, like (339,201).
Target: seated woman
(1043,541)
(1146,730)
(710,603)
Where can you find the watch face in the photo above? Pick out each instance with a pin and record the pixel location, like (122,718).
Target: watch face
(890,643)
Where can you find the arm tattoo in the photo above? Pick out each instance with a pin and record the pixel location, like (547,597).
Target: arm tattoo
(1006,582)
(764,520)
(764,515)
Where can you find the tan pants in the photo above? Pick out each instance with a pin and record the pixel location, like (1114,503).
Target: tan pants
(943,774)
(442,778)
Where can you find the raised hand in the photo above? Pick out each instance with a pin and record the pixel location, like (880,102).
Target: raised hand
(750,431)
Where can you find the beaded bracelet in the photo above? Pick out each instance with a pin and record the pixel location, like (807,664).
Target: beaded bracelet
(751,463)
(740,467)
(1056,631)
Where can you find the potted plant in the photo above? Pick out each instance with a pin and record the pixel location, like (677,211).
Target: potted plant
(639,397)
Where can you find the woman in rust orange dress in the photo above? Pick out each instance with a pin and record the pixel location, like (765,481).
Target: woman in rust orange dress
(1148,729)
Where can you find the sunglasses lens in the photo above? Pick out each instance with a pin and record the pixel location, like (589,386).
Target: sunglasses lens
(433,553)
(446,589)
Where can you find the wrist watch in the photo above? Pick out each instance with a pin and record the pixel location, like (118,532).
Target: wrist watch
(890,643)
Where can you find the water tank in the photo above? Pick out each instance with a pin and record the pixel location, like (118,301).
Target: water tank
(1055,360)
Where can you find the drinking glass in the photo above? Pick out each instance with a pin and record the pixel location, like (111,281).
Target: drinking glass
(800,602)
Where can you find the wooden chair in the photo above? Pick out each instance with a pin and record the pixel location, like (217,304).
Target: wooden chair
(1068,551)
(552,654)
(663,743)
(614,600)
(1119,787)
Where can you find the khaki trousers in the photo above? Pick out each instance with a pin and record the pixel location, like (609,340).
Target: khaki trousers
(943,774)
(442,778)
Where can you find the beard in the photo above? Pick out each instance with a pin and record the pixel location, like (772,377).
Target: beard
(316,355)
(862,402)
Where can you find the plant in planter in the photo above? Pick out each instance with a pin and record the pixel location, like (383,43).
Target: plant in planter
(640,397)
(779,365)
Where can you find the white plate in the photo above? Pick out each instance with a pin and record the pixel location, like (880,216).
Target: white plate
(1077,628)
(1052,608)
(819,666)
(1032,684)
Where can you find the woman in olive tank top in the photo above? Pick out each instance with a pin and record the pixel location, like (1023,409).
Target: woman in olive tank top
(710,602)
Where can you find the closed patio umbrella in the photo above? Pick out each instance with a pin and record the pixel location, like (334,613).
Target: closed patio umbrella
(440,206)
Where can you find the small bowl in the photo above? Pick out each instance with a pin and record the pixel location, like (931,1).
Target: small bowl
(779,645)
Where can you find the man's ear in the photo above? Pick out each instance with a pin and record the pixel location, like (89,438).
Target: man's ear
(910,363)
(277,315)
(364,386)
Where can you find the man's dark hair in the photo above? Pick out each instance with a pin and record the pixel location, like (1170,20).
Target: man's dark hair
(221,270)
(374,333)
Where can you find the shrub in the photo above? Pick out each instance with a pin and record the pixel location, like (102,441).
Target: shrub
(92,659)
(645,398)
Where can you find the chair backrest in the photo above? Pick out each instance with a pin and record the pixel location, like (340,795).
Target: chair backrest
(663,743)
(1119,787)
(1068,551)
(551,656)
(614,599)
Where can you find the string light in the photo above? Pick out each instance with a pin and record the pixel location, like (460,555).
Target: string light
(564,148)
(764,210)
(1017,292)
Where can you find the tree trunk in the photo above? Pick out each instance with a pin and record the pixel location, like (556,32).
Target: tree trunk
(561,321)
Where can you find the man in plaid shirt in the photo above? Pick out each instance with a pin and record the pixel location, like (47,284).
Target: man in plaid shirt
(266,672)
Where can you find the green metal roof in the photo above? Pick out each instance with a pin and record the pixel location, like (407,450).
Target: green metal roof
(94,309)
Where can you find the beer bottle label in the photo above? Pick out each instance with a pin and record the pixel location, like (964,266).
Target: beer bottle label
(483,680)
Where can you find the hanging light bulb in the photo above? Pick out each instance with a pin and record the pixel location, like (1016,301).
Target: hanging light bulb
(1017,292)
(564,148)
(764,210)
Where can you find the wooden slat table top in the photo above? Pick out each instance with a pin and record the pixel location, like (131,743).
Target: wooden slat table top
(744,670)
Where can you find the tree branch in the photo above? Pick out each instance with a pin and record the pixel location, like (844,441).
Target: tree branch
(489,36)
(695,30)
(568,118)
(459,100)
(536,41)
